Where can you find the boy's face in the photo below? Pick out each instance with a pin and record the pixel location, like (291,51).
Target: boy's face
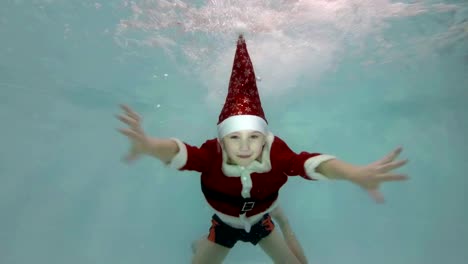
(243,147)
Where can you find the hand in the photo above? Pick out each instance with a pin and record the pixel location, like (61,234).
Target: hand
(371,176)
(140,143)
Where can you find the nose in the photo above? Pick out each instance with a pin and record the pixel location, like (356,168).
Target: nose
(244,146)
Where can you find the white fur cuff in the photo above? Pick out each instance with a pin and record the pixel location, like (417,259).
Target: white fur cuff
(180,159)
(311,164)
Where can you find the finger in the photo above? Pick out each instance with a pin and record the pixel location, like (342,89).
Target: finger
(392,165)
(130,158)
(129,121)
(130,112)
(376,195)
(130,133)
(390,157)
(393,177)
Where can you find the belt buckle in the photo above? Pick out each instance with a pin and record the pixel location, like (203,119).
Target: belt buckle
(248,206)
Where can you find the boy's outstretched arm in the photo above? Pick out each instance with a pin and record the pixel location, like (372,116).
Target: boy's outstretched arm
(162,149)
(368,177)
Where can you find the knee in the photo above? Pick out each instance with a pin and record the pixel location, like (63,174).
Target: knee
(287,259)
(206,259)
(195,260)
(199,259)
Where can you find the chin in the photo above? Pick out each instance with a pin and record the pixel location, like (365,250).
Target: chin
(243,162)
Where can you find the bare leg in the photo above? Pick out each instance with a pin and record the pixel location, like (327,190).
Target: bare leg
(275,247)
(289,236)
(196,243)
(207,252)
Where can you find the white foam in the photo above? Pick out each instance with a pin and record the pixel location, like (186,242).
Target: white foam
(287,40)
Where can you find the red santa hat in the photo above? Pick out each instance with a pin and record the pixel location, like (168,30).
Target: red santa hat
(242,109)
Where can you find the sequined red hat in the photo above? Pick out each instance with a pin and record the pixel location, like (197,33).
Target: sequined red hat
(242,109)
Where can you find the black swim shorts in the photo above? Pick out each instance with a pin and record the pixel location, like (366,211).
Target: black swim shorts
(227,236)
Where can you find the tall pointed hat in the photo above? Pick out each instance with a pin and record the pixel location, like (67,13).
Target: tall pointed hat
(242,109)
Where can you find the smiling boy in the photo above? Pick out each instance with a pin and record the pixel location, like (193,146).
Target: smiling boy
(244,168)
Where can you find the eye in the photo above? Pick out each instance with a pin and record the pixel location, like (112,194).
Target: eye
(254,136)
(233,137)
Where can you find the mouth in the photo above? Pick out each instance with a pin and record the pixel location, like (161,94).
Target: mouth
(244,156)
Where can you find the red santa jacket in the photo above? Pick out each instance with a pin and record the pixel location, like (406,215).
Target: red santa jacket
(234,190)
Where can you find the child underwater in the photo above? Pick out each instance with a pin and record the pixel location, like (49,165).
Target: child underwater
(243,169)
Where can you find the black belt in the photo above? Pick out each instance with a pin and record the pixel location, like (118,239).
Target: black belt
(245,204)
